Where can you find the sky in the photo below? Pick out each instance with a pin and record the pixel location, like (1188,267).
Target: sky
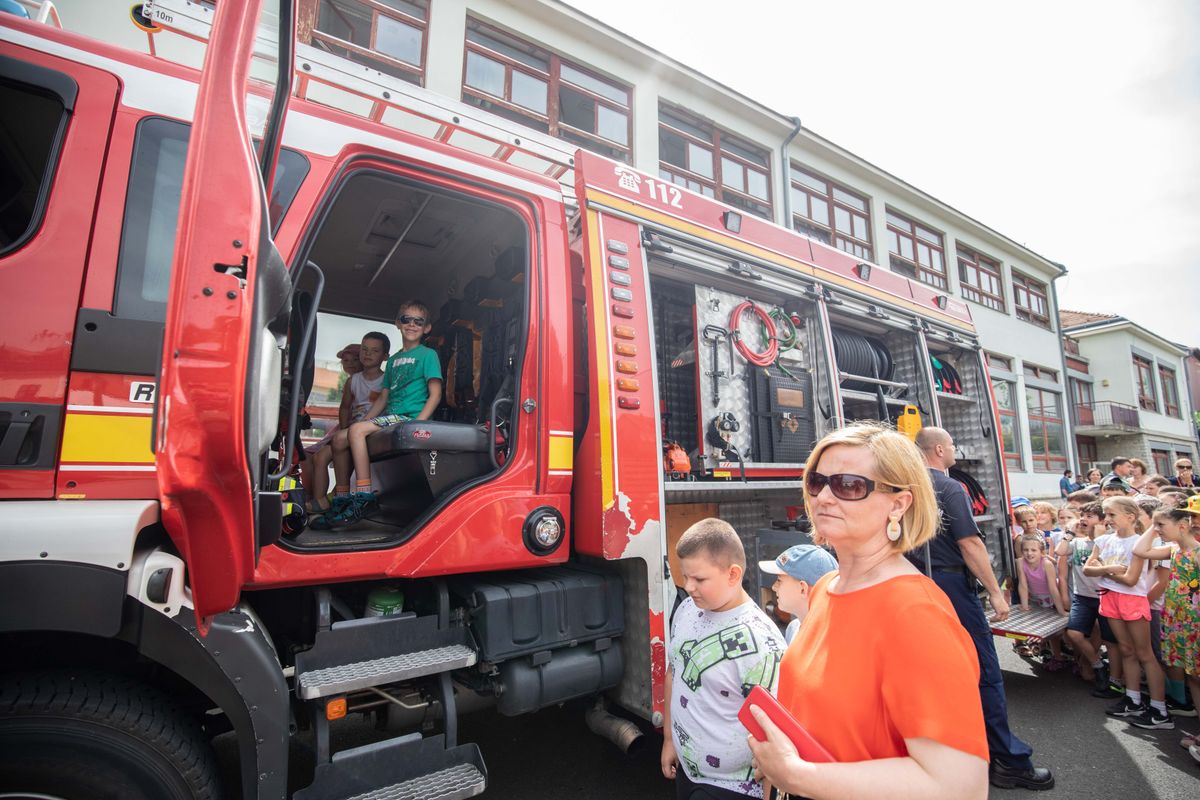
(1070,127)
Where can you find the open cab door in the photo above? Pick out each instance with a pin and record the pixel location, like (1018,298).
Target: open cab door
(227,316)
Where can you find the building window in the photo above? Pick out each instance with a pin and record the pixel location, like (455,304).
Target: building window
(1170,391)
(1085,402)
(1146,395)
(1000,362)
(1088,454)
(387,35)
(1163,463)
(979,278)
(916,251)
(1010,434)
(1041,373)
(831,213)
(705,159)
(1047,434)
(1029,299)
(536,88)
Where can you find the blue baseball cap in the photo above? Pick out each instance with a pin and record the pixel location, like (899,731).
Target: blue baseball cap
(1016,502)
(804,562)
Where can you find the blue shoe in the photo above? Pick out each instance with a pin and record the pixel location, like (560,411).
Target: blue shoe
(334,514)
(352,510)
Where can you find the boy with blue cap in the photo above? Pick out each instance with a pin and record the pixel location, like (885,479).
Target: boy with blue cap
(797,569)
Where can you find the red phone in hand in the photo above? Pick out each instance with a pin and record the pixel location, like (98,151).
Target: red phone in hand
(808,747)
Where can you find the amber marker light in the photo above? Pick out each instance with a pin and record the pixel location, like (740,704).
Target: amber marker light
(625,349)
(628,384)
(624,331)
(335,708)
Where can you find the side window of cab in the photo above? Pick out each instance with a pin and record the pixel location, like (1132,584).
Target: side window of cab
(152,211)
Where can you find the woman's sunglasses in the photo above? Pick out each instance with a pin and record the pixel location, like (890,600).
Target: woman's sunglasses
(844,485)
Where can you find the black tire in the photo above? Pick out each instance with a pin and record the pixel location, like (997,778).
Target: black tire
(82,735)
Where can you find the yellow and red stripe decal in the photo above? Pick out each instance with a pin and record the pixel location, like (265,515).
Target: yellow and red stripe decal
(562,452)
(742,246)
(110,437)
(600,340)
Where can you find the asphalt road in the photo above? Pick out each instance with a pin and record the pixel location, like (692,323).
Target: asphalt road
(552,755)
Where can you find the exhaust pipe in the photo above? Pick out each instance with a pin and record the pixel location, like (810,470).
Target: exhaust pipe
(621,732)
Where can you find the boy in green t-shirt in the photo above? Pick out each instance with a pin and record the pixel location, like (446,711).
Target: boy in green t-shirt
(412,389)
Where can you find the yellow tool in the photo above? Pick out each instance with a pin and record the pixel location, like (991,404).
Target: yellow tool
(909,422)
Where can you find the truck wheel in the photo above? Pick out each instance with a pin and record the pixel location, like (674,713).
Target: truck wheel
(81,735)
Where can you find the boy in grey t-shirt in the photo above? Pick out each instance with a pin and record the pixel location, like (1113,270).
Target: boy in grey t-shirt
(722,645)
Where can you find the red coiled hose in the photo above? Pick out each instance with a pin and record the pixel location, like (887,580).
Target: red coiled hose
(768,356)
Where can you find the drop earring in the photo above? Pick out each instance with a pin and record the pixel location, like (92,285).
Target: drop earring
(893,529)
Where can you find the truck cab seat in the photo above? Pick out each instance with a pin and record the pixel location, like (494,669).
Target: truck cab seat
(427,455)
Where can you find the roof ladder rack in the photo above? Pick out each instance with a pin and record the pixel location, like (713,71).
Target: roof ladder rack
(333,80)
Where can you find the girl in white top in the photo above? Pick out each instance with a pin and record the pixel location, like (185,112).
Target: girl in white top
(1125,581)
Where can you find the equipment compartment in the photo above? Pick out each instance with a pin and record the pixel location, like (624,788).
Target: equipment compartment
(513,614)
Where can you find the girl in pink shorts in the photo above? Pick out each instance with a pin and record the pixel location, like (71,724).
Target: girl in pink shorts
(1125,580)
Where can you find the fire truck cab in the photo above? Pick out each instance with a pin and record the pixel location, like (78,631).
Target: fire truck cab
(181,250)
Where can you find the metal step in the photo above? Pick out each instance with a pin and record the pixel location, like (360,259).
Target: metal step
(378,650)
(405,768)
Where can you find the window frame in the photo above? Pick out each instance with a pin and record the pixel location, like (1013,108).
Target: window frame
(922,273)
(1025,286)
(1087,452)
(1143,377)
(377,9)
(846,241)
(716,144)
(1167,378)
(61,88)
(997,361)
(133,254)
(555,82)
(968,257)
(1014,458)
(1165,466)
(1043,459)
(1031,370)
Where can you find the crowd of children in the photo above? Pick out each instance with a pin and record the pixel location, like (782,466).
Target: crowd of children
(1124,566)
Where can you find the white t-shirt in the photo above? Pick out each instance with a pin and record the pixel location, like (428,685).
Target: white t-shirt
(1158,604)
(363,392)
(1079,550)
(716,658)
(1117,550)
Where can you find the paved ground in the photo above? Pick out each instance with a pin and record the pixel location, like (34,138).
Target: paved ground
(551,754)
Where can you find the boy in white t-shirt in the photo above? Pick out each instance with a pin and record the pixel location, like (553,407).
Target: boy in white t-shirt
(722,645)
(358,392)
(1073,553)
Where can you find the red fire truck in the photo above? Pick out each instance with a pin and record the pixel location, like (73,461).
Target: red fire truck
(171,243)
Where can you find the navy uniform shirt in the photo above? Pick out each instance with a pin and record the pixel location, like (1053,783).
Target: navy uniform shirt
(957,521)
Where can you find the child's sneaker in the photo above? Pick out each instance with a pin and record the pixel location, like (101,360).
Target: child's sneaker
(1153,719)
(1180,709)
(1124,708)
(350,511)
(365,503)
(337,506)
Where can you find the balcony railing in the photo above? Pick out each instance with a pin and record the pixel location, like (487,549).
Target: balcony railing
(1105,414)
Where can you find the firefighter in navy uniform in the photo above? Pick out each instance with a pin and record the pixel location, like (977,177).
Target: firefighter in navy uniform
(957,557)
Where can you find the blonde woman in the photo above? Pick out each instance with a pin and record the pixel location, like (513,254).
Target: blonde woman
(881,673)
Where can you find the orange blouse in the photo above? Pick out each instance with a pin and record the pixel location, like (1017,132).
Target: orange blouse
(874,667)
